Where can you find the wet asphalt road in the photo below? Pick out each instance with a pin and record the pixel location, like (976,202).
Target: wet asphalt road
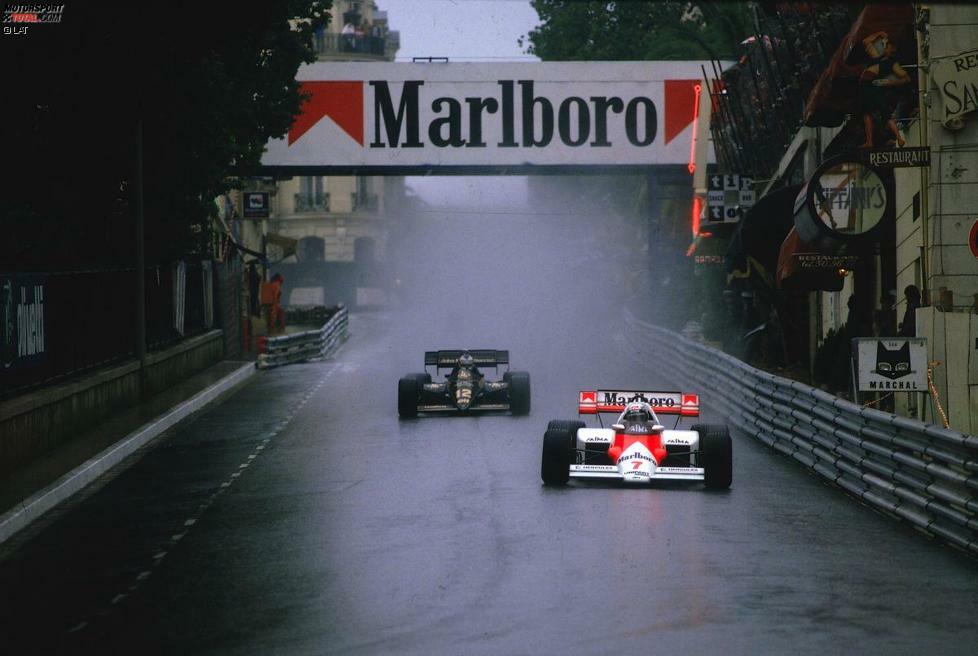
(300,516)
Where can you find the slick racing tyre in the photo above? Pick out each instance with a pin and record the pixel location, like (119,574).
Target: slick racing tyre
(716,455)
(423,379)
(566,424)
(408,394)
(519,391)
(558,453)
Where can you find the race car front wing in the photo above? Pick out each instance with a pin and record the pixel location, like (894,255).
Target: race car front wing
(660,473)
(444,407)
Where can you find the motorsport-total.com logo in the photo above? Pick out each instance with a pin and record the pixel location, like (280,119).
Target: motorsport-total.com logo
(19,18)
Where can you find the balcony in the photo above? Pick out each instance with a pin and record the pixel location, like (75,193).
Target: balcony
(338,46)
(311,203)
(364,202)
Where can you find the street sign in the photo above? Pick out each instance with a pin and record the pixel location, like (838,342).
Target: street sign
(256,204)
(973,238)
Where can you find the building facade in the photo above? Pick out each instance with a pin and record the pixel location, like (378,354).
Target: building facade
(328,235)
(794,111)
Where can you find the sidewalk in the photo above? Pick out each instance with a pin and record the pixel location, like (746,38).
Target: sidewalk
(44,484)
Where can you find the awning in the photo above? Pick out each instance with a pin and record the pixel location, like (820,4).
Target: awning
(810,267)
(755,243)
(836,93)
(286,244)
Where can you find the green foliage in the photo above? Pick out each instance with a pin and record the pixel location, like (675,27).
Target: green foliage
(210,83)
(642,31)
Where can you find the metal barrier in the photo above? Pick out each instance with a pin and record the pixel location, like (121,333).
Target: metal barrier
(299,347)
(921,473)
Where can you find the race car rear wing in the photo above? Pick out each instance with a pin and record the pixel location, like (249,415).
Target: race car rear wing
(663,403)
(481,358)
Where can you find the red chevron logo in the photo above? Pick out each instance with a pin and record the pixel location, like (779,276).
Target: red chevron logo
(680,106)
(342,102)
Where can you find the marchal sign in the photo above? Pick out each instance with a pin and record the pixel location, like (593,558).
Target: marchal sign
(957,80)
(392,116)
(891,364)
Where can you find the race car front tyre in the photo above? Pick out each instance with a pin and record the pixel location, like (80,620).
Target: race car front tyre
(558,453)
(716,455)
(408,389)
(519,392)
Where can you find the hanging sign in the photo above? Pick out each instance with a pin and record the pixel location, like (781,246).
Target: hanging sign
(957,80)
(728,196)
(844,199)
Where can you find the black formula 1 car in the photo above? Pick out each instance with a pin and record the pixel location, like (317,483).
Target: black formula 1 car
(465,388)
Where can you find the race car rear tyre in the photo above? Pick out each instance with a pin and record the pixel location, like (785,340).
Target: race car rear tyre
(423,379)
(558,453)
(519,392)
(716,455)
(408,394)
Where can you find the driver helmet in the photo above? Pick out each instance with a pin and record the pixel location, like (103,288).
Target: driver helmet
(637,412)
(465,361)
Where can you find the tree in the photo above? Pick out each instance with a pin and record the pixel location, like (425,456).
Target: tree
(210,83)
(640,31)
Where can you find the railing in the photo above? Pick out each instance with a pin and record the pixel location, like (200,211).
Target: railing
(317,202)
(920,473)
(367,202)
(299,347)
(332,44)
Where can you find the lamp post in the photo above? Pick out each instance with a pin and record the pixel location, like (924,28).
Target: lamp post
(140,264)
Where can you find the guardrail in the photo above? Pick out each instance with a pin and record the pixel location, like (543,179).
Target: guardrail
(299,347)
(920,473)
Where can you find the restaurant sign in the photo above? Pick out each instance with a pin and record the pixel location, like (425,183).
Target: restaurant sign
(897,157)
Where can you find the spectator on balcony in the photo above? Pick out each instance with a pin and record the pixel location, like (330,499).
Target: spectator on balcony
(359,37)
(319,38)
(349,35)
(376,39)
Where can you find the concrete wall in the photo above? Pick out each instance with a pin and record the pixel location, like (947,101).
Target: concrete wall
(32,424)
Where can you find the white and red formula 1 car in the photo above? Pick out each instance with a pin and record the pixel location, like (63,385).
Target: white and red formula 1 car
(637,448)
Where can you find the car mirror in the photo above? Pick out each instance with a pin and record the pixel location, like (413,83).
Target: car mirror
(618,427)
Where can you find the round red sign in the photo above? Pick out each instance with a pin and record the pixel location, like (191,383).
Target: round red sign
(973,238)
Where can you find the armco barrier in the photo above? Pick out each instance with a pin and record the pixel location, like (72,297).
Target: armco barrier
(918,472)
(299,347)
